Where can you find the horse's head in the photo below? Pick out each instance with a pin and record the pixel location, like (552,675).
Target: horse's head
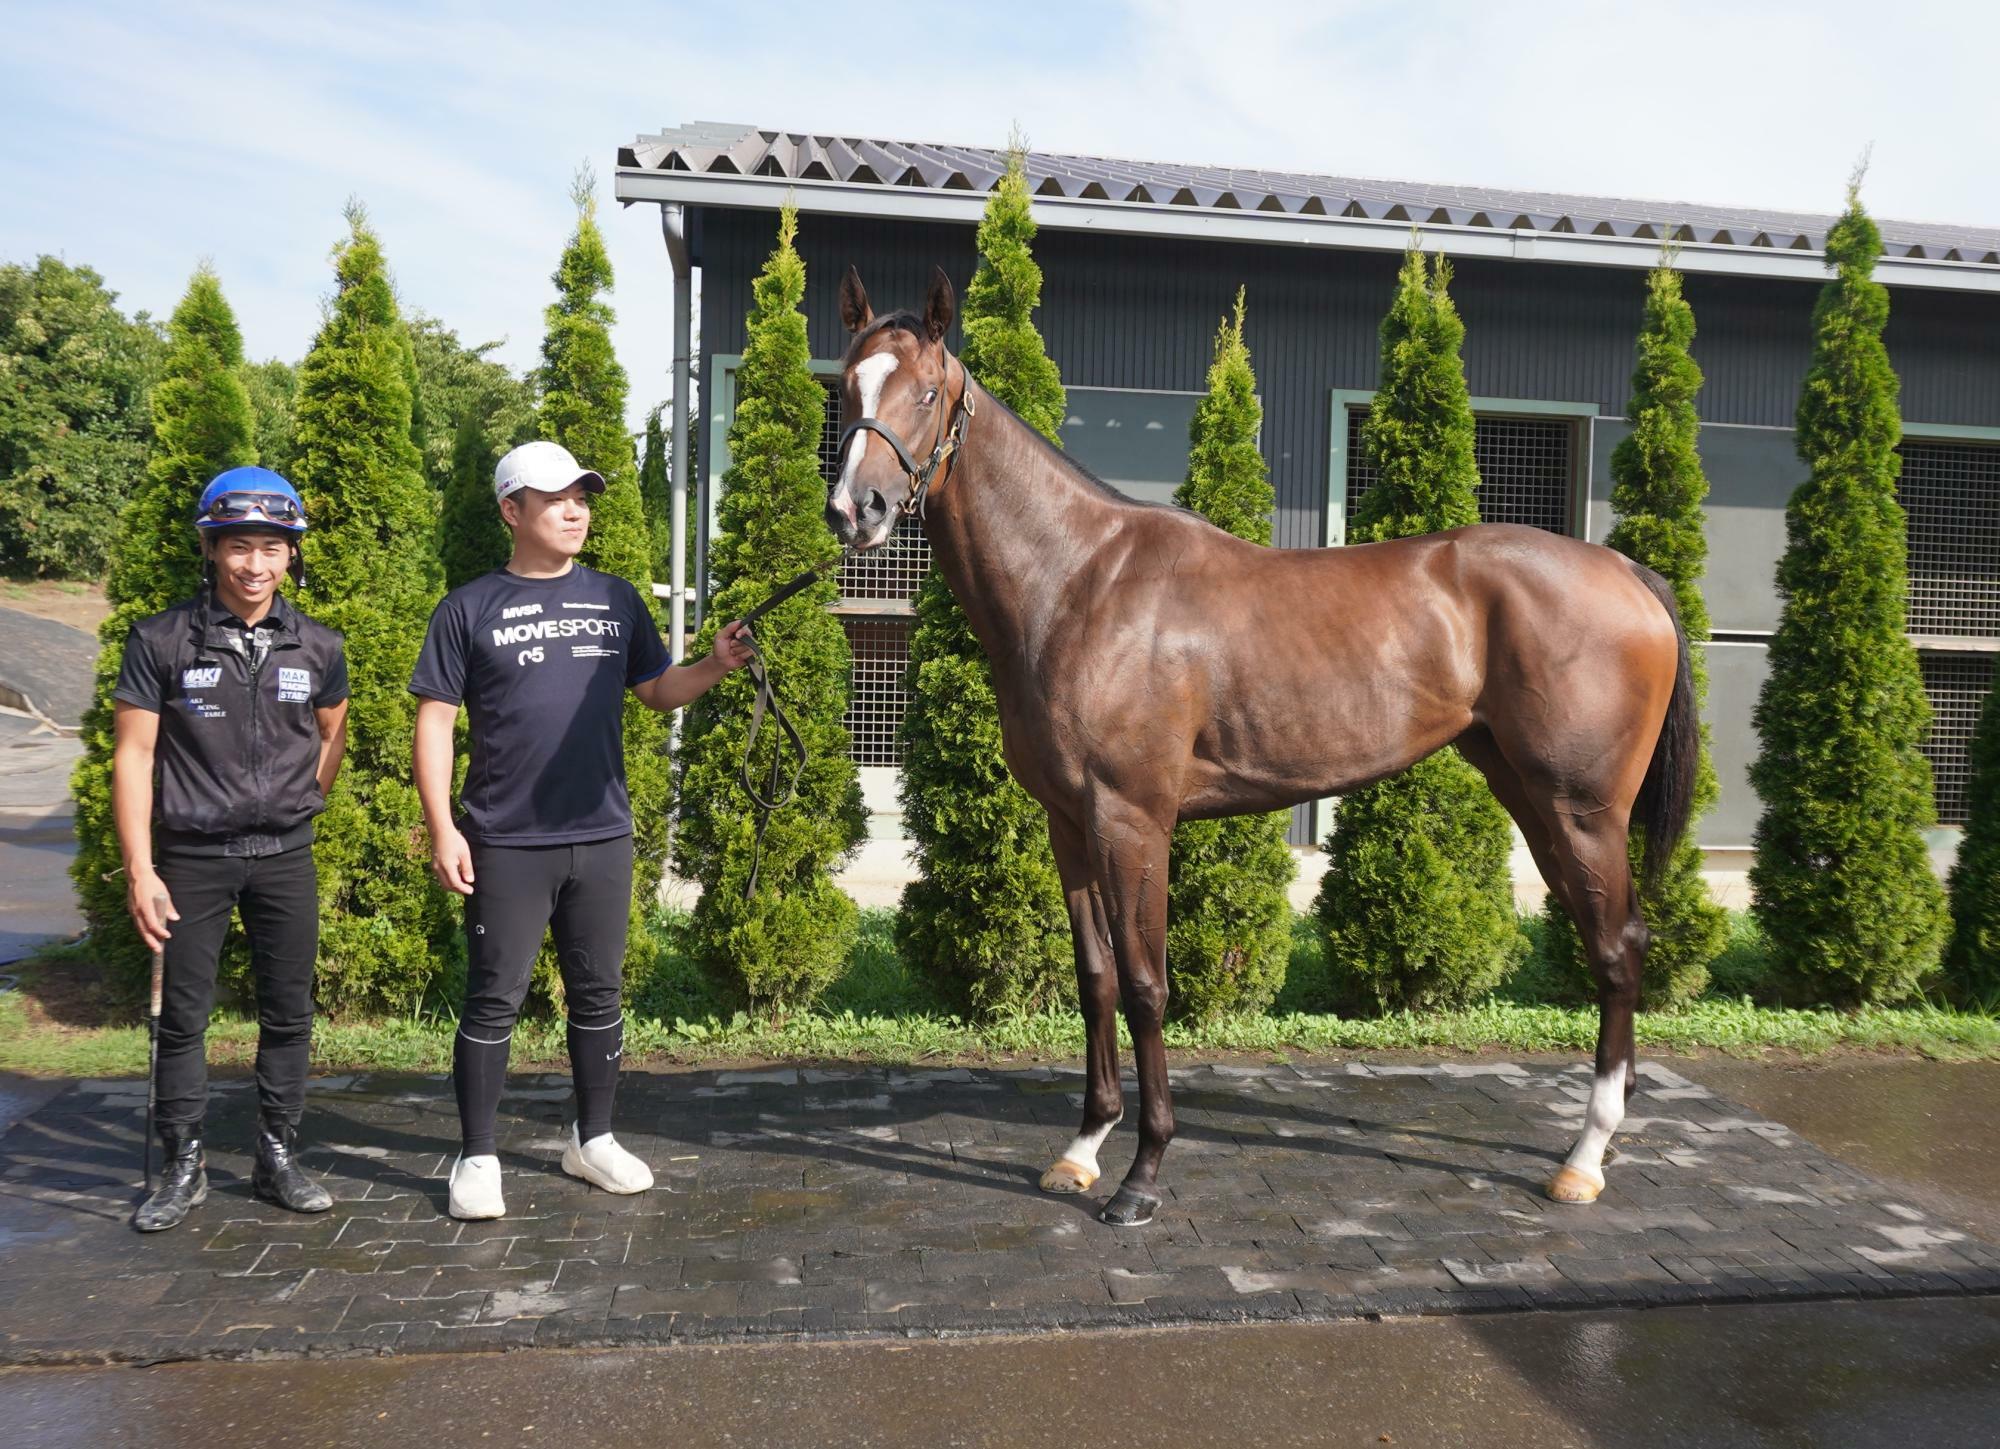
(902,406)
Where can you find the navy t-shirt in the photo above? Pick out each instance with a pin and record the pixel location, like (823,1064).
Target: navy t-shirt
(542,666)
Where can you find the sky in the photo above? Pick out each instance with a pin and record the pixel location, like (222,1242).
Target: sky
(142,139)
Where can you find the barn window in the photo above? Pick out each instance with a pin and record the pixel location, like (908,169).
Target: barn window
(1527,467)
(1135,439)
(1950,492)
(1957,682)
(1951,495)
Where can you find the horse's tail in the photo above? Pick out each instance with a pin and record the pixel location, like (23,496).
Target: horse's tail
(1666,799)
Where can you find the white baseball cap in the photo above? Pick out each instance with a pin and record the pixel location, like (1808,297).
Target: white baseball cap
(543,466)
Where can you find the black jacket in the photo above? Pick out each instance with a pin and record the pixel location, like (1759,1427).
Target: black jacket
(237,761)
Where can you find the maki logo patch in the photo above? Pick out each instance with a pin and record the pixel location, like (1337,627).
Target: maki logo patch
(294,686)
(207,678)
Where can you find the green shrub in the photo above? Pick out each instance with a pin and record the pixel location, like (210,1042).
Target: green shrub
(780,948)
(372,574)
(202,425)
(986,910)
(1842,880)
(1417,903)
(1228,921)
(1657,492)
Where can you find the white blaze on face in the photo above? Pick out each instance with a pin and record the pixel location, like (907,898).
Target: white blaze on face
(870,374)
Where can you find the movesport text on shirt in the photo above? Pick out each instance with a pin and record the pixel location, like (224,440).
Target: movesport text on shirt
(542,666)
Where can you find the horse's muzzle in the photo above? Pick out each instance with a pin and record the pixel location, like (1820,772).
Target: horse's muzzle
(860,528)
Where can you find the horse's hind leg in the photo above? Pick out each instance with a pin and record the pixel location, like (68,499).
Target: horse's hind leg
(1604,902)
(1097,990)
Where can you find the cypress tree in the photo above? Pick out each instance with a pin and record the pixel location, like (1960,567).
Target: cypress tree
(1972,962)
(202,425)
(1657,492)
(656,487)
(985,913)
(1228,921)
(1842,883)
(656,495)
(782,946)
(583,408)
(472,538)
(1417,903)
(372,574)
(273,384)
(474,410)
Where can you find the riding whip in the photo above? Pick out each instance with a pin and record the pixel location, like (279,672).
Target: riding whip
(153,1037)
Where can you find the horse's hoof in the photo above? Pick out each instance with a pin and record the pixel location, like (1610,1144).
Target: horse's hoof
(1129,1208)
(1068,1176)
(1573,1186)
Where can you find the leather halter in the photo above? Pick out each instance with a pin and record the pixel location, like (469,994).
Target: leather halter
(948,441)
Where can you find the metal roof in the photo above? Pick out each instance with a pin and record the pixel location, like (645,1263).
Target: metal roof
(744,165)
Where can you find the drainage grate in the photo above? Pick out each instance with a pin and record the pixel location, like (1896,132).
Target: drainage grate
(1525,469)
(1957,684)
(1951,493)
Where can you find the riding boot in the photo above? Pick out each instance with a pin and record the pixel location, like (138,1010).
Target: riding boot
(183,1182)
(278,1177)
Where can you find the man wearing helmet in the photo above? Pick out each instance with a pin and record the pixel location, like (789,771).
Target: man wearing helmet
(231,717)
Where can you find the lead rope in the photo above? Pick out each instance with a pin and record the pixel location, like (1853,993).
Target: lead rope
(781,789)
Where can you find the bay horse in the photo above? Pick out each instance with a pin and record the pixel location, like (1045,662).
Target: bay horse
(1151,668)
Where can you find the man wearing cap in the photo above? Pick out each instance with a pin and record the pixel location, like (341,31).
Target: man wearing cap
(235,703)
(540,653)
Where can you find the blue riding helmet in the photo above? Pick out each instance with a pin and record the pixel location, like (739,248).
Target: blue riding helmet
(250,498)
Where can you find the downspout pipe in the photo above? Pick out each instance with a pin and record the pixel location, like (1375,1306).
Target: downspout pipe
(673,226)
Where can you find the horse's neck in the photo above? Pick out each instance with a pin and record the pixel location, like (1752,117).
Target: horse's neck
(1011,529)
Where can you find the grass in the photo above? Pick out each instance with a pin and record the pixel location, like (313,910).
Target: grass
(66,1021)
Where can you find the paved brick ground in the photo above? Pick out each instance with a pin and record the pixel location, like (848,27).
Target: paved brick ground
(868,1201)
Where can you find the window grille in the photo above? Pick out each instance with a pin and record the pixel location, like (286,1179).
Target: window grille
(1525,469)
(875,705)
(1951,493)
(1957,684)
(883,579)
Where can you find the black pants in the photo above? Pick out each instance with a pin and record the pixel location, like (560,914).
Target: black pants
(581,893)
(278,896)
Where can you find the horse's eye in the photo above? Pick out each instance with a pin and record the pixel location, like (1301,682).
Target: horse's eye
(929,398)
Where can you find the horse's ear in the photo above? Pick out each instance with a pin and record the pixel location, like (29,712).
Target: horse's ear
(854,308)
(940,307)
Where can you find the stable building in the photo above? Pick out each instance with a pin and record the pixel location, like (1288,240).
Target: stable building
(1141,259)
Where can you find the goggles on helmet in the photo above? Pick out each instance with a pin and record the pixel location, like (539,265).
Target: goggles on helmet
(272,508)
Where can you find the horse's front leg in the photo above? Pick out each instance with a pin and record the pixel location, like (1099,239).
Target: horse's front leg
(1129,851)
(1097,991)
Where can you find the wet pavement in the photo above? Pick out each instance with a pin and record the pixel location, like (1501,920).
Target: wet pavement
(1825,1374)
(1931,1130)
(801,1202)
(37,836)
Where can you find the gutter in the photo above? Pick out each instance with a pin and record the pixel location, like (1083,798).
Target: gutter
(1128,218)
